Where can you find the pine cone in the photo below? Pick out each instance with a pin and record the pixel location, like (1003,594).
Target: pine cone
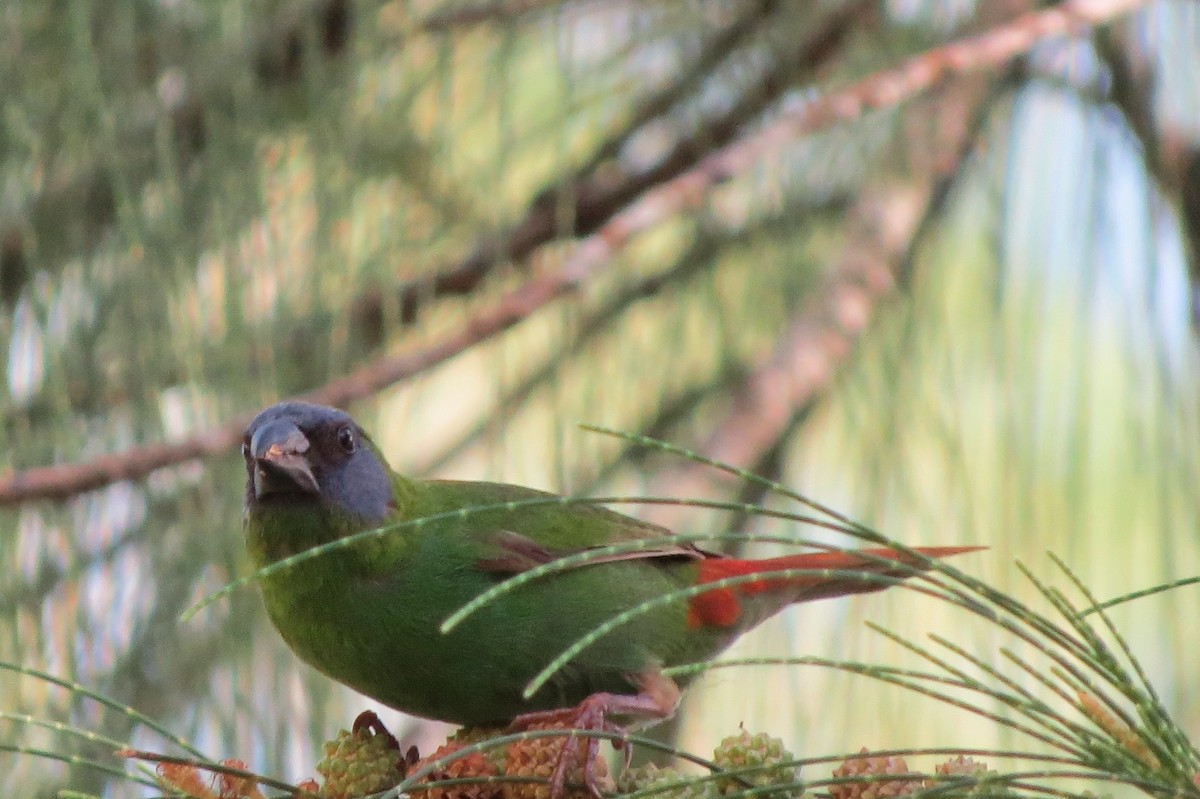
(535,759)
(665,783)
(473,735)
(237,787)
(760,760)
(963,766)
(868,766)
(359,764)
(185,780)
(475,764)
(308,786)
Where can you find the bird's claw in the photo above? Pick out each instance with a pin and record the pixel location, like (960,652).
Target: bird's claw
(369,721)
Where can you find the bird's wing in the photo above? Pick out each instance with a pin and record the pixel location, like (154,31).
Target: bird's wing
(514,553)
(525,537)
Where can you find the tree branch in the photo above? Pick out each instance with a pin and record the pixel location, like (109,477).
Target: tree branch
(581,203)
(656,205)
(885,230)
(698,259)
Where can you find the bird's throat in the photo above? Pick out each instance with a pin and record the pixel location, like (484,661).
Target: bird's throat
(283,525)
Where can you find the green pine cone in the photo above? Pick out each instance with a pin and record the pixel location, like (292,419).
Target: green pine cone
(665,783)
(359,764)
(760,760)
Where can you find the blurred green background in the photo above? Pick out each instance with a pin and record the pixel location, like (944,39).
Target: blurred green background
(969,315)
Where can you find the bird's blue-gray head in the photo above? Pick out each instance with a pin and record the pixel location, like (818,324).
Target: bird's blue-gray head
(297,452)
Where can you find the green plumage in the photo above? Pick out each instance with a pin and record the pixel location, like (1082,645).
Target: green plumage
(369,615)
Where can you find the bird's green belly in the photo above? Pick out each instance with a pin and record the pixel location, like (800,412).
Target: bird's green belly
(382,639)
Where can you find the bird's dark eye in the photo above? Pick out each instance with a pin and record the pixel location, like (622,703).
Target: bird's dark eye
(245,450)
(346,439)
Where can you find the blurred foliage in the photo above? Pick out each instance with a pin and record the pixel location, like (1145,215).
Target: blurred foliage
(205,206)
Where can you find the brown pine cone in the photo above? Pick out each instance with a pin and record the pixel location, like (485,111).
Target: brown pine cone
(237,787)
(308,786)
(185,780)
(473,735)
(879,788)
(964,766)
(475,764)
(535,759)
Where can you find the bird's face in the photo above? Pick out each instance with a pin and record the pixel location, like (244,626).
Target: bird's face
(298,454)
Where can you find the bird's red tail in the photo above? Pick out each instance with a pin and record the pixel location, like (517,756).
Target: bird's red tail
(722,607)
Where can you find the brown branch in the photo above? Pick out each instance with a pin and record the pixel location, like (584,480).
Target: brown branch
(65,480)
(884,232)
(882,89)
(592,253)
(581,203)
(597,190)
(893,86)
(700,258)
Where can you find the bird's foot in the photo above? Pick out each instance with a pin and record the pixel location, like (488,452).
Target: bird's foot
(577,754)
(657,700)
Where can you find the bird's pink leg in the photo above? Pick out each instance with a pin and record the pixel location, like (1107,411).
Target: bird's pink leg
(656,701)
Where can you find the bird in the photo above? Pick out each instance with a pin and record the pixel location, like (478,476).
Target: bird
(370,614)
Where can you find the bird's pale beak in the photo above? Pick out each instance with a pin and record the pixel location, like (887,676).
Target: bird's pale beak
(281,461)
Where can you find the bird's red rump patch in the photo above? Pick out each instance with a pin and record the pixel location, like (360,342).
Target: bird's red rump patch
(716,608)
(720,607)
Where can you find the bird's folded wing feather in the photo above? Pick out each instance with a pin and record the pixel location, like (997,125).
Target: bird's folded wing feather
(513,553)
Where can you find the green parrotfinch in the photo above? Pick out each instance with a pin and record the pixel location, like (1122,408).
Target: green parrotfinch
(368,615)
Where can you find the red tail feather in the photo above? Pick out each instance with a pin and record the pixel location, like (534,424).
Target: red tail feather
(721,607)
